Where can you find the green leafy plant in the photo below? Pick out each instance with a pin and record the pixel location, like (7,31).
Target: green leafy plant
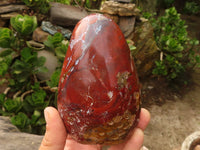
(54,78)
(57,44)
(24,25)
(6,37)
(168,3)
(178,54)
(19,65)
(22,121)
(131,46)
(164,4)
(12,106)
(2,99)
(41,5)
(68,2)
(54,41)
(28,64)
(191,8)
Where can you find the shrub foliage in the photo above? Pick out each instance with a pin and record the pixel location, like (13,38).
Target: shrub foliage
(19,65)
(178,53)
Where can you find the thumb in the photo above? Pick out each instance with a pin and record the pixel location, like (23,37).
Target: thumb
(55,135)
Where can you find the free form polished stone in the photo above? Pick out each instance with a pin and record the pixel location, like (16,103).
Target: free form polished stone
(99,92)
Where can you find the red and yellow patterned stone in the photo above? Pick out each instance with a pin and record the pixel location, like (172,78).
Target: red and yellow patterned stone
(99,92)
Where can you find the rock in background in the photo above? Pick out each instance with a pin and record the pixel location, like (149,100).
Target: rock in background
(10,9)
(124,14)
(51,64)
(146,52)
(137,29)
(39,35)
(66,15)
(12,139)
(53,29)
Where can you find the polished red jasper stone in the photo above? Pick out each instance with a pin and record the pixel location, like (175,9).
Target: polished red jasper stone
(99,92)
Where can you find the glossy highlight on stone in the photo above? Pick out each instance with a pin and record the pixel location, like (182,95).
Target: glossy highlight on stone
(99,91)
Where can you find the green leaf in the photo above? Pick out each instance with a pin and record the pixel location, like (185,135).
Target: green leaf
(38,97)
(3,68)
(160,68)
(34,118)
(41,61)
(48,43)
(36,100)
(54,79)
(196,42)
(12,106)
(24,25)
(41,69)
(5,53)
(26,54)
(6,37)
(21,71)
(2,99)
(2,81)
(61,52)
(197,58)
(22,121)
(54,41)
(36,86)
(27,104)
(21,68)
(41,121)
(41,5)
(191,8)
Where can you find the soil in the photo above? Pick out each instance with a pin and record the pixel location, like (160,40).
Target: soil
(175,114)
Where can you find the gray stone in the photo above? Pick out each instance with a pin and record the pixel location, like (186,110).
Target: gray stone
(6,126)
(66,15)
(8,2)
(146,52)
(12,8)
(39,35)
(121,9)
(4,2)
(52,29)
(191,142)
(115,18)
(9,15)
(51,64)
(12,139)
(127,24)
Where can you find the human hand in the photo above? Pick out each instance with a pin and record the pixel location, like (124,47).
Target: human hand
(56,137)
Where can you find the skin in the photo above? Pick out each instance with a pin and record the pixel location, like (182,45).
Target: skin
(56,137)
